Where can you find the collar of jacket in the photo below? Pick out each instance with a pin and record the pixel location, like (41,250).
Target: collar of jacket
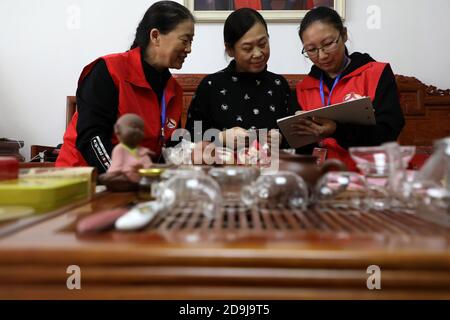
(360,63)
(358,60)
(135,69)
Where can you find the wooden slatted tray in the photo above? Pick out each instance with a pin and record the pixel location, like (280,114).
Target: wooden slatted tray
(236,222)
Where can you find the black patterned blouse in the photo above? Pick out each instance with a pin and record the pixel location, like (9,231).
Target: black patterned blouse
(228,99)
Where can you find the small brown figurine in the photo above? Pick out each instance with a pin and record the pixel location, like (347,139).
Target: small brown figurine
(127,157)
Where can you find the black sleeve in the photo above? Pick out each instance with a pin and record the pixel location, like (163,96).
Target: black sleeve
(388,115)
(293,107)
(199,110)
(97,103)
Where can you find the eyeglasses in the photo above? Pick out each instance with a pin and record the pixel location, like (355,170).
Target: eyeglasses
(327,48)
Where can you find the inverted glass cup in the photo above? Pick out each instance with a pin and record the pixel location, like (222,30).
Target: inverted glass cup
(342,190)
(280,188)
(233,178)
(195,190)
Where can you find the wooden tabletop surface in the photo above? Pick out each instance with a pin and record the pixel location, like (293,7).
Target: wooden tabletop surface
(240,255)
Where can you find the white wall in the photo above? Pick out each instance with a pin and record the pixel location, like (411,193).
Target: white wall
(43,47)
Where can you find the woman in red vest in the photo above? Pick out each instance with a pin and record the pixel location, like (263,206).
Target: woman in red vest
(337,76)
(137,81)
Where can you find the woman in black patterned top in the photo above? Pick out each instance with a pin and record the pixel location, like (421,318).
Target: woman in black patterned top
(244,95)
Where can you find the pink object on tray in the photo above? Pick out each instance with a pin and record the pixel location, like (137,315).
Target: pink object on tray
(100,221)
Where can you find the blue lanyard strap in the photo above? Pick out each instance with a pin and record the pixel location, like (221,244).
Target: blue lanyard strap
(163,115)
(322,94)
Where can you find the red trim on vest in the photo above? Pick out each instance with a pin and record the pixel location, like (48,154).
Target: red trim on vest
(135,96)
(361,82)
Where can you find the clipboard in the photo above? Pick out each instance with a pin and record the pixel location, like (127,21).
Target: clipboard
(359,111)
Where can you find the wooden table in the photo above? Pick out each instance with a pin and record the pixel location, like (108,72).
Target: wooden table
(243,254)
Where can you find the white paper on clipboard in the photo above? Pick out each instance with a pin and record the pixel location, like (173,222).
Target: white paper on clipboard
(358,111)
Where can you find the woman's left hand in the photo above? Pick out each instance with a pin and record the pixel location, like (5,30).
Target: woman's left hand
(318,127)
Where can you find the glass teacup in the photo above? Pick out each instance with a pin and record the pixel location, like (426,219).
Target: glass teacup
(275,189)
(342,190)
(195,190)
(233,178)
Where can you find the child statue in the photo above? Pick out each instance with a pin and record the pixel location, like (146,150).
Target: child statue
(127,156)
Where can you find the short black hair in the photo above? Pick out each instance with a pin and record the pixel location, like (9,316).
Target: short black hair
(238,23)
(162,15)
(323,14)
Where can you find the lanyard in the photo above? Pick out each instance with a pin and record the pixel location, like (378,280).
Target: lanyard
(163,116)
(322,94)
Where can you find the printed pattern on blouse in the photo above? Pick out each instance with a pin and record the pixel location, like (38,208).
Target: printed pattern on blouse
(227,99)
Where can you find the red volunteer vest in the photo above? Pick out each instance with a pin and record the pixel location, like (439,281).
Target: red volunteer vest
(135,96)
(362,82)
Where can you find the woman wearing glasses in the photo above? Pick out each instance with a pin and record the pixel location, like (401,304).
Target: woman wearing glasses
(337,76)
(137,81)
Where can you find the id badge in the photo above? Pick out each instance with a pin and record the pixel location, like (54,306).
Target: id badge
(321,154)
